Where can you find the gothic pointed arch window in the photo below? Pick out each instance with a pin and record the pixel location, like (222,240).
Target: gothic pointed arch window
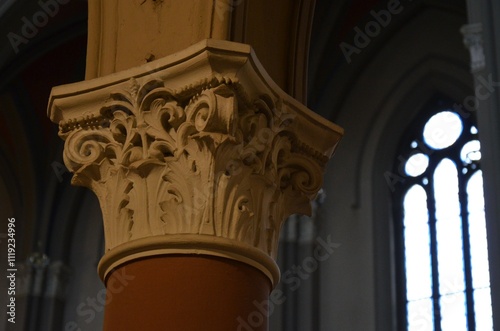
(440,224)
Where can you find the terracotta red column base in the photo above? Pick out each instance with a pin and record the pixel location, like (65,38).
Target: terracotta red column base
(186,293)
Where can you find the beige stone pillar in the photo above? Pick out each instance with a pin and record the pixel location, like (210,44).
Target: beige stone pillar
(196,158)
(125,34)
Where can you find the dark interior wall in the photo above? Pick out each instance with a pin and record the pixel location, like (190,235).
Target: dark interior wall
(43,45)
(373,67)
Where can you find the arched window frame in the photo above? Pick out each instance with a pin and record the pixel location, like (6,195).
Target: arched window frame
(407,148)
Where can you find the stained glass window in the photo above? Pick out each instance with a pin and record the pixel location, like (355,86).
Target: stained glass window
(439,213)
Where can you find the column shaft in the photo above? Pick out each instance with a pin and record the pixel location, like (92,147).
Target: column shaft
(186,293)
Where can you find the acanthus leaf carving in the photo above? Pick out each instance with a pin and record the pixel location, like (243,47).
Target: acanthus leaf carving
(200,153)
(211,163)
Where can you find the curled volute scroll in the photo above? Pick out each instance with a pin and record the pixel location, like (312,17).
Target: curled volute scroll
(208,162)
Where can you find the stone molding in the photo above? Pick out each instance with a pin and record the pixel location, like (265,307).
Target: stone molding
(473,40)
(196,153)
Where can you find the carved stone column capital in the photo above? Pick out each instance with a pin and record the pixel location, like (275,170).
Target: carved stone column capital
(196,153)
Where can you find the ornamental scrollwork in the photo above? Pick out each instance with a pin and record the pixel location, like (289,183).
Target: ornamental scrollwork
(206,160)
